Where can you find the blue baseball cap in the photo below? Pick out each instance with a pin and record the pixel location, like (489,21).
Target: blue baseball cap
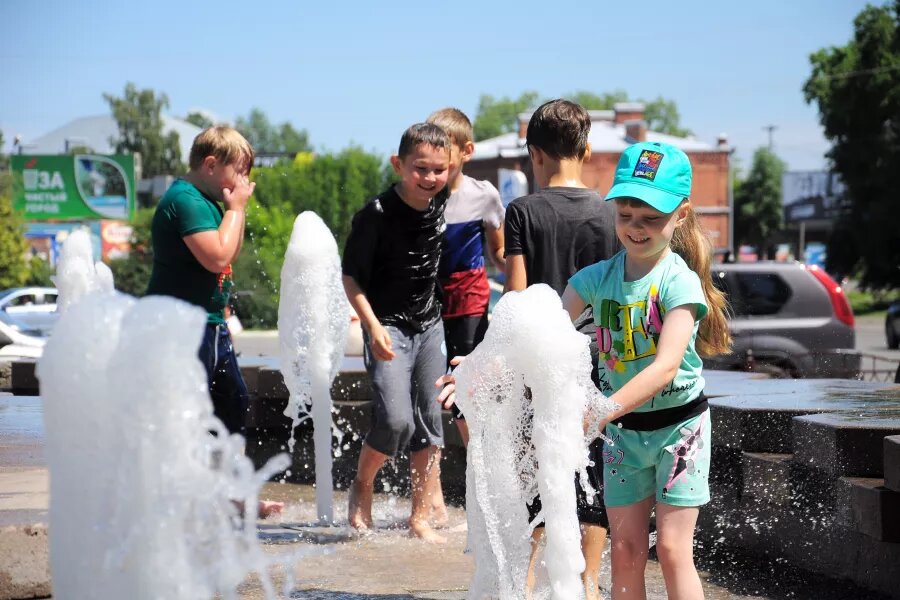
(656,173)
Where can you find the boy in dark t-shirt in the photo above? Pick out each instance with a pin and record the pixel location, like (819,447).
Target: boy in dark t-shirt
(550,235)
(390,268)
(194,243)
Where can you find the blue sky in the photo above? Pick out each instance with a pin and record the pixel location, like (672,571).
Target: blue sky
(360,72)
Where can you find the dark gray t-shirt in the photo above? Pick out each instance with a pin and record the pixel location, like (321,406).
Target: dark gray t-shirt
(559,231)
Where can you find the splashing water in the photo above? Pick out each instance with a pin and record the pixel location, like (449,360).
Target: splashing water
(77,274)
(521,445)
(142,494)
(313,321)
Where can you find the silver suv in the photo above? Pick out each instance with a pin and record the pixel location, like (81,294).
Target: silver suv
(789,320)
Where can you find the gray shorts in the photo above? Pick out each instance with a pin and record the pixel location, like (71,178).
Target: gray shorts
(404,396)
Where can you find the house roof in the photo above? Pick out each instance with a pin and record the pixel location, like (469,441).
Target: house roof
(96,131)
(605,136)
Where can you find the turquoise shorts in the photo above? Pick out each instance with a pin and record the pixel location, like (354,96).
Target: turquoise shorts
(671,462)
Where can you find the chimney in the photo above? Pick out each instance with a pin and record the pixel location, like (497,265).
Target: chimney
(636,131)
(524,118)
(722,141)
(628,111)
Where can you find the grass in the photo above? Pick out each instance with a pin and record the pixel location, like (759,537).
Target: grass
(864,302)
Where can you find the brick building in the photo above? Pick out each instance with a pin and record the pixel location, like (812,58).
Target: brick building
(611,132)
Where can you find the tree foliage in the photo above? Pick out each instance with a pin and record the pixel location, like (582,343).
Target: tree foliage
(757,201)
(13,268)
(497,116)
(139,116)
(334,186)
(267,137)
(199,119)
(857,90)
(132,273)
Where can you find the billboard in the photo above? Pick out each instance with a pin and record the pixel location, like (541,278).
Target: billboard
(65,187)
(812,196)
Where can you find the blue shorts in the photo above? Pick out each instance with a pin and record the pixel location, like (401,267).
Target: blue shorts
(404,397)
(223,376)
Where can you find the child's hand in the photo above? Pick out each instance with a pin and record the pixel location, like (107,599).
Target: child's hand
(447,397)
(381,343)
(236,199)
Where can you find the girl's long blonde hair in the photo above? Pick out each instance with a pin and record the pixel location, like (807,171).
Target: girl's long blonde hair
(694,247)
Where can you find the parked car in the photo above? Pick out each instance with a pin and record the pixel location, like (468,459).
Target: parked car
(789,320)
(29,310)
(892,326)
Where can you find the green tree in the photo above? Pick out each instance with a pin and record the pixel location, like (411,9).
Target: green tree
(13,268)
(4,159)
(334,186)
(199,119)
(265,136)
(498,116)
(132,273)
(139,116)
(757,200)
(857,90)
(662,116)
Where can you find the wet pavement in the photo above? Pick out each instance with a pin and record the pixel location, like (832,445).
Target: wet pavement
(388,564)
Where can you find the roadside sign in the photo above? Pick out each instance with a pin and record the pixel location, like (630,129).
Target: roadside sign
(73,187)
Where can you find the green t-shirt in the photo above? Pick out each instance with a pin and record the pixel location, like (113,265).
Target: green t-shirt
(182,211)
(629,317)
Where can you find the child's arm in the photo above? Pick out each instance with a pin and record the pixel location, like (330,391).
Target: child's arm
(516,277)
(380,338)
(673,341)
(215,250)
(495,246)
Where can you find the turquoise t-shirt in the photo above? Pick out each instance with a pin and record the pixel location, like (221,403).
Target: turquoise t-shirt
(629,317)
(184,210)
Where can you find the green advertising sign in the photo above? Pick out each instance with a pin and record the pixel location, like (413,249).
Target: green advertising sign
(65,187)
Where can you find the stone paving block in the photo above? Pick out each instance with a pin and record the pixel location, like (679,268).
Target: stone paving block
(23,378)
(24,562)
(767,476)
(892,462)
(757,429)
(347,385)
(250,374)
(874,509)
(843,444)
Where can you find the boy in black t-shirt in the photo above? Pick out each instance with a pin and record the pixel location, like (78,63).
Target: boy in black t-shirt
(550,235)
(390,270)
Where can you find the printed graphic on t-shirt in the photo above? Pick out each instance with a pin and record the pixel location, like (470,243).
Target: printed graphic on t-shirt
(224,283)
(629,332)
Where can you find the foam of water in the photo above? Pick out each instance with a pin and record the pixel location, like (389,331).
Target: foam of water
(520,446)
(141,492)
(77,274)
(313,322)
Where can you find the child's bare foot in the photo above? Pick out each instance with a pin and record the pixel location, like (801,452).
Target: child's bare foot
(421,529)
(359,513)
(439,516)
(267,508)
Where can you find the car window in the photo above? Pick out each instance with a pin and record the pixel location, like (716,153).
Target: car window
(761,293)
(23,300)
(721,280)
(49,298)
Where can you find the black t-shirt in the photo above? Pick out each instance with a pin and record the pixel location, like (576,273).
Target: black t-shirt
(392,253)
(559,231)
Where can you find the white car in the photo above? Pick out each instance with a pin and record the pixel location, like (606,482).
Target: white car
(27,311)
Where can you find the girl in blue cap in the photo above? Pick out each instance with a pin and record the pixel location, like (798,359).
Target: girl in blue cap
(656,312)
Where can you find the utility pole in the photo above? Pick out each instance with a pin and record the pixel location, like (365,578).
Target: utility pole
(770,129)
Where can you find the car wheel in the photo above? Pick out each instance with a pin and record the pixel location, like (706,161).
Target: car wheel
(893,340)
